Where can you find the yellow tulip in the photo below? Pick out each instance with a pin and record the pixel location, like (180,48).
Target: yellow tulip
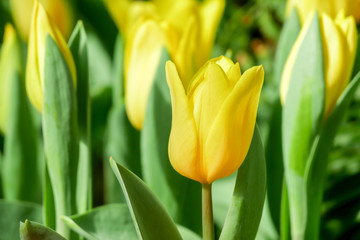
(339,41)
(331,7)
(10,63)
(213,118)
(42,25)
(59,10)
(185,30)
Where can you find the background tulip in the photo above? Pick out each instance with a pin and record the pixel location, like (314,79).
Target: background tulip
(330,7)
(213,118)
(186,29)
(10,63)
(339,40)
(41,25)
(60,11)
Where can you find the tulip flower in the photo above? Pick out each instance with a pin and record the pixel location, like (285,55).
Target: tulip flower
(60,11)
(10,62)
(339,41)
(184,30)
(42,25)
(213,118)
(331,7)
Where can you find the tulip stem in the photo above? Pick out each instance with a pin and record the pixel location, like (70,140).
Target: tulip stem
(207,213)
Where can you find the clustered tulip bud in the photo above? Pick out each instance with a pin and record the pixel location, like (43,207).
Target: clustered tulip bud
(213,118)
(339,41)
(42,25)
(10,64)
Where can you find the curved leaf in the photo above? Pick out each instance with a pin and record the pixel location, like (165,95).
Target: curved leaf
(245,211)
(150,217)
(35,231)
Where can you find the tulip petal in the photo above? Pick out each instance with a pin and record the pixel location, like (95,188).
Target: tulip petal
(207,104)
(230,136)
(41,25)
(336,60)
(234,74)
(183,142)
(210,15)
(142,55)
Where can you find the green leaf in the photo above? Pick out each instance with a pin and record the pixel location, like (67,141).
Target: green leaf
(20,163)
(78,47)
(301,117)
(245,211)
(35,231)
(316,167)
(356,67)
(60,133)
(109,222)
(288,36)
(12,212)
(180,195)
(149,215)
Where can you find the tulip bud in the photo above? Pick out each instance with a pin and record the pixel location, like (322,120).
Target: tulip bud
(10,63)
(331,7)
(41,25)
(59,10)
(213,118)
(339,41)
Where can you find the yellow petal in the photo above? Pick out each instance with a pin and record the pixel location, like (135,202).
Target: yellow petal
(59,10)
(118,11)
(184,56)
(142,55)
(207,103)
(183,142)
(234,74)
(210,15)
(231,134)
(41,25)
(10,63)
(336,61)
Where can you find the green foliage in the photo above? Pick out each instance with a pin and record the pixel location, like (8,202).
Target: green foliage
(149,215)
(247,203)
(35,231)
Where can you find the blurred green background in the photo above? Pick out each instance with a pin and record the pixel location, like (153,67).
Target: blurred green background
(248,33)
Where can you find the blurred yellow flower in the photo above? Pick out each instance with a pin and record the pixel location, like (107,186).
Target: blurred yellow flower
(213,118)
(10,64)
(331,7)
(185,28)
(339,41)
(41,25)
(59,10)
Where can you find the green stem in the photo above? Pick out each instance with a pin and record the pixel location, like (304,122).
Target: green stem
(207,213)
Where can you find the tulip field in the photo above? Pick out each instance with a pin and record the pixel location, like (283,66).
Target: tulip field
(179,119)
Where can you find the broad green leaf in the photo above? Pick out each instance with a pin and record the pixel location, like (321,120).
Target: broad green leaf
(12,212)
(301,117)
(149,215)
(316,167)
(78,47)
(60,133)
(20,164)
(275,167)
(180,196)
(48,201)
(245,211)
(110,222)
(288,36)
(35,231)
(285,228)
